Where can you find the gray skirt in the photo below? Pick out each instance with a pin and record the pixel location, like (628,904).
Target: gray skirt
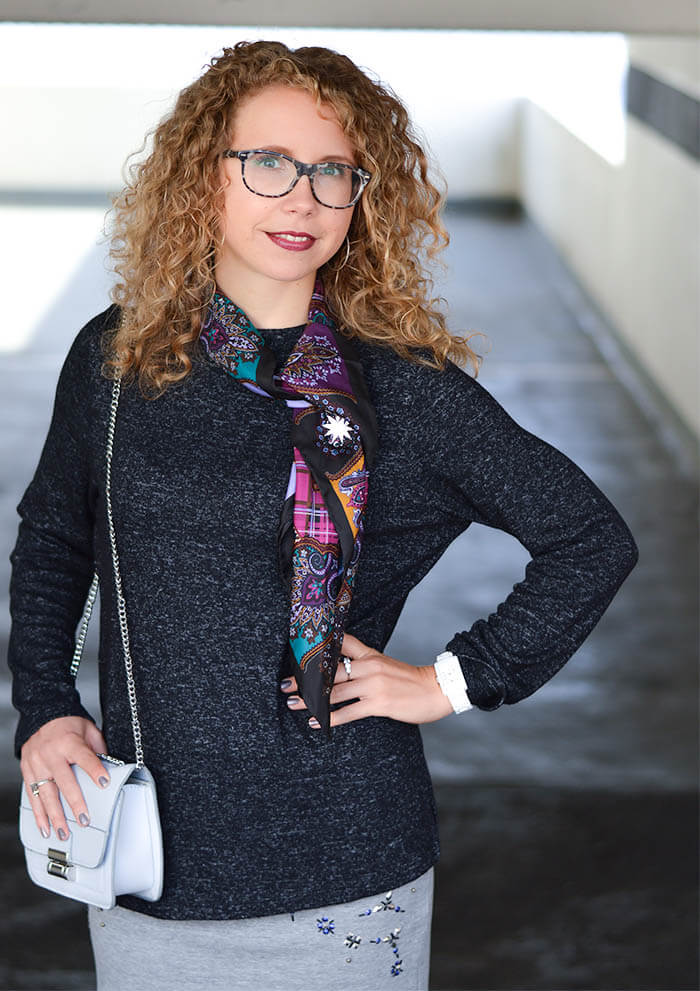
(379,941)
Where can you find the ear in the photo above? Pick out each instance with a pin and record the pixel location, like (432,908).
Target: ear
(224,178)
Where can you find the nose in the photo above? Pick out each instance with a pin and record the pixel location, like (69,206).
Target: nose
(300,199)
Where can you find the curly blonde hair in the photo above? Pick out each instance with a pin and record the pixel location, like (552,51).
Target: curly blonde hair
(168,219)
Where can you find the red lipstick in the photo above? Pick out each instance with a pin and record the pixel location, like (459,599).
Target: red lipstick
(292,240)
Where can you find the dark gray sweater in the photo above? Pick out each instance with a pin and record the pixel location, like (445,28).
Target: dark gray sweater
(260,814)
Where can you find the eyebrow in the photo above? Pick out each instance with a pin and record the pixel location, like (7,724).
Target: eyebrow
(327,158)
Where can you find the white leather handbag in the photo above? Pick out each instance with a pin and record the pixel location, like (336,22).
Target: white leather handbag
(120,851)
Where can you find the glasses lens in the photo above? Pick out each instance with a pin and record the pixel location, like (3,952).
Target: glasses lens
(336,185)
(268,173)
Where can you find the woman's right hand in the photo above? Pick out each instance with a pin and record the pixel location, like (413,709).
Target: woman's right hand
(48,753)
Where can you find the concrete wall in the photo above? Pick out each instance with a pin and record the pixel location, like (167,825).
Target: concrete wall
(630,231)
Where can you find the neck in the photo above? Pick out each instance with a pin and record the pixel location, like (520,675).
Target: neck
(267,302)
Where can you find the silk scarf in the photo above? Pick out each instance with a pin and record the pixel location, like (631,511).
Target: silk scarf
(334,439)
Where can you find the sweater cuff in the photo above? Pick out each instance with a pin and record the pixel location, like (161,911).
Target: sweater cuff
(486,687)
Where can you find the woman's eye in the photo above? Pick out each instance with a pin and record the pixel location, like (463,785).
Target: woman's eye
(331,170)
(267,161)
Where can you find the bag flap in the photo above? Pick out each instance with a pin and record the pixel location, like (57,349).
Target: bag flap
(85,844)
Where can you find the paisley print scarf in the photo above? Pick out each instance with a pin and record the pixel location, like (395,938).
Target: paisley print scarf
(334,439)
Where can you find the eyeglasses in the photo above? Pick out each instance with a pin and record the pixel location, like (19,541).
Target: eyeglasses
(270,173)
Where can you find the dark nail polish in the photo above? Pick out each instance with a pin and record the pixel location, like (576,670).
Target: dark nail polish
(287,683)
(293,700)
(103,781)
(45,832)
(62,834)
(83,819)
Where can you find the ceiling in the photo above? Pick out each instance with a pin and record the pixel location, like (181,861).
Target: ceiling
(677,17)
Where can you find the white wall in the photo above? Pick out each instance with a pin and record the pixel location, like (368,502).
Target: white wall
(673,59)
(70,113)
(505,113)
(76,100)
(631,231)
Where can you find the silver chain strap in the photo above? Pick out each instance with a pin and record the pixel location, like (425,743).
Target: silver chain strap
(82,633)
(121,605)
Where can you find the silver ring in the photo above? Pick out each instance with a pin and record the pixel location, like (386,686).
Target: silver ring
(348,666)
(36,784)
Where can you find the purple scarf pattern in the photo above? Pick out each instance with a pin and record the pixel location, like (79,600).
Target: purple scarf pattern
(334,439)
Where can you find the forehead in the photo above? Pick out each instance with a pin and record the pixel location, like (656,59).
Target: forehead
(288,116)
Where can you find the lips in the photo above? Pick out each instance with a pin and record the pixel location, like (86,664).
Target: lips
(292,240)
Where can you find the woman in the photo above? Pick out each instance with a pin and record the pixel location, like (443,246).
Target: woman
(273,308)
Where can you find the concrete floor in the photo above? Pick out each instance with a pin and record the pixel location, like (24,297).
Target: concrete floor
(568,821)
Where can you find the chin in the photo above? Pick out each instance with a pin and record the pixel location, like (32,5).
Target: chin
(293,273)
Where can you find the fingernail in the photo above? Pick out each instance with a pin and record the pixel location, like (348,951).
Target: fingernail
(45,832)
(287,683)
(62,834)
(293,700)
(314,722)
(103,781)
(83,819)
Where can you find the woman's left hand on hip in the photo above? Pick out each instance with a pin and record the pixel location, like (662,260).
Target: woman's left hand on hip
(382,686)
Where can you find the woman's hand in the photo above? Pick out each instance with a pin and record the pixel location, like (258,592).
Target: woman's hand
(48,753)
(383,687)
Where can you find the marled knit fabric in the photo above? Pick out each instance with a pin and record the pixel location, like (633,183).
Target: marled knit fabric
(197,475)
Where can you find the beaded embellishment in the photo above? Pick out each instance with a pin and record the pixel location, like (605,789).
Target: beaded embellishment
(385,905)
(352,940)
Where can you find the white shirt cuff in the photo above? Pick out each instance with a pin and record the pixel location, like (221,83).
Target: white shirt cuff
(451,680)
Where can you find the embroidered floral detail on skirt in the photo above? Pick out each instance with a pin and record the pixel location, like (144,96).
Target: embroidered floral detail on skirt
(352,940)
(385,905)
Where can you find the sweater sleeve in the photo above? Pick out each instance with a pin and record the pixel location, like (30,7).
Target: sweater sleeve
(496,473)
(52,560)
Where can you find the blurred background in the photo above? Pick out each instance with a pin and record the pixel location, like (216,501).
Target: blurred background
(569,136)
